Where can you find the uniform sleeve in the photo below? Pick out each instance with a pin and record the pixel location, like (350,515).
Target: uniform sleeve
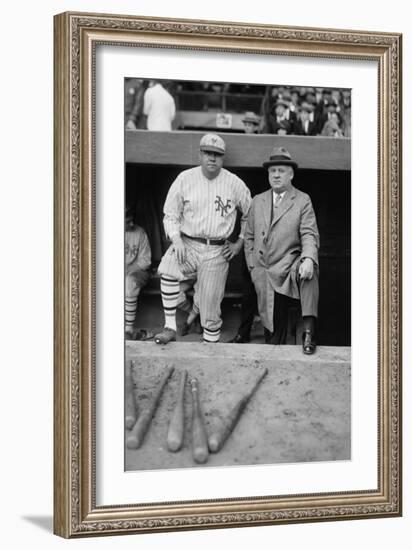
(173,209)
(309,234)
(244,202)
(144,257)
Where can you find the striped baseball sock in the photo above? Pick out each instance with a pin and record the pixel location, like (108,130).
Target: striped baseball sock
(130,312)
(170,289)
(211,335)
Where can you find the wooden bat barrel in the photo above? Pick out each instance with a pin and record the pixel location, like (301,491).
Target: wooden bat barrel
(217,438)
(200,449)
(139,430)
(130,402)
(177,422)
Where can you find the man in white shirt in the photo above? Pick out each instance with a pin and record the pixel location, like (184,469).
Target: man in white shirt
(281,248)
(159,107)
(199,215)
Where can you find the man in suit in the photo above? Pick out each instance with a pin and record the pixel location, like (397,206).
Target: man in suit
(281,249)
(279,122)
(305,126)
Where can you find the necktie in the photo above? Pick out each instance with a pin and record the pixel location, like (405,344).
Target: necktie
(278,198)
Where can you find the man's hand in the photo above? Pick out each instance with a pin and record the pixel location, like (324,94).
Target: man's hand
(306,269)
(180,250)
(230,250)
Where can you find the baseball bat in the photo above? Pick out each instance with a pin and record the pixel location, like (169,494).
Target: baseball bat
(141,426)
(218,437)
(130,403)
(200,450)
(177,422)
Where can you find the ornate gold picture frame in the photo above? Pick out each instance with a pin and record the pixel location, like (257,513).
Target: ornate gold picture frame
(76,509)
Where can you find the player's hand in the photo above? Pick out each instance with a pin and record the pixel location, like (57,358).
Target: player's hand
(180,250)
(230,250)
(306,269)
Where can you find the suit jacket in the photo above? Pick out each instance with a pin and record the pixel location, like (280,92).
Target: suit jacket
(284,124)
(298,129)
(276,240)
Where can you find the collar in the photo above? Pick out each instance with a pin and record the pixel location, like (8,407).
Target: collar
(280,194)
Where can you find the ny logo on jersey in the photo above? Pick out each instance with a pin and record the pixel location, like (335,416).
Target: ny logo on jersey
(221,206)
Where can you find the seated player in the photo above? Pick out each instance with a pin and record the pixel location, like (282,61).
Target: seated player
(137,273)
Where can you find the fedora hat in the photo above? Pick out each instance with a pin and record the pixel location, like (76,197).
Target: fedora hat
(282,102)
(280,156)
(251,117)
(308,107)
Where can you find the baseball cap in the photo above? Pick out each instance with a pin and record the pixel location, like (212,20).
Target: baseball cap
(212,142)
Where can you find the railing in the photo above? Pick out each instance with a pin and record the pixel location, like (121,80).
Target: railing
(218,101)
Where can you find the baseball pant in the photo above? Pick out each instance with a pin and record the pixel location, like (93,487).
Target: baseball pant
(207,264)
(135,281)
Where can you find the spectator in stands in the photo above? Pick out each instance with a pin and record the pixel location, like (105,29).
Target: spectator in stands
(304,126)
(346,113)
(331,127)
(138,258)
(133,103)
(159,107)
(310,97)
(290,114)
(295,100)
(345,99)
(251,123)
(323,109)
(278,123)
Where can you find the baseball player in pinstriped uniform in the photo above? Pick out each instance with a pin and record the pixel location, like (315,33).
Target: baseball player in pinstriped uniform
(199,216)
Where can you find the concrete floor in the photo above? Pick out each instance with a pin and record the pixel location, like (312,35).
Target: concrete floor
(300,412)
(150,316)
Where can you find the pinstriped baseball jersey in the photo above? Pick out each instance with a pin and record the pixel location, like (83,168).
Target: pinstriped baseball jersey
(200,207)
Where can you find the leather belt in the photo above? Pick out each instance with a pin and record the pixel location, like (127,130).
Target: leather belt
(205,241)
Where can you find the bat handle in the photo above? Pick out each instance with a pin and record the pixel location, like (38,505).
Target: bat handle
(130,402)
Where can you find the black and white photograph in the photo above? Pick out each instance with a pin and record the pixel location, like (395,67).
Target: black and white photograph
(227,261)
(237,273)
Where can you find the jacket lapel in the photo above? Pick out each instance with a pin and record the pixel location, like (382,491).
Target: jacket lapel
(267,205)
(284,206)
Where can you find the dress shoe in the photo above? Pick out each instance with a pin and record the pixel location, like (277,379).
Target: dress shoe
(239,339)
(308,342)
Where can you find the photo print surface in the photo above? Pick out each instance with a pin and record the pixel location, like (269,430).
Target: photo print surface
(237,286)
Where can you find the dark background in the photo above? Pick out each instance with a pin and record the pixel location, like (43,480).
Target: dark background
(330,191)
